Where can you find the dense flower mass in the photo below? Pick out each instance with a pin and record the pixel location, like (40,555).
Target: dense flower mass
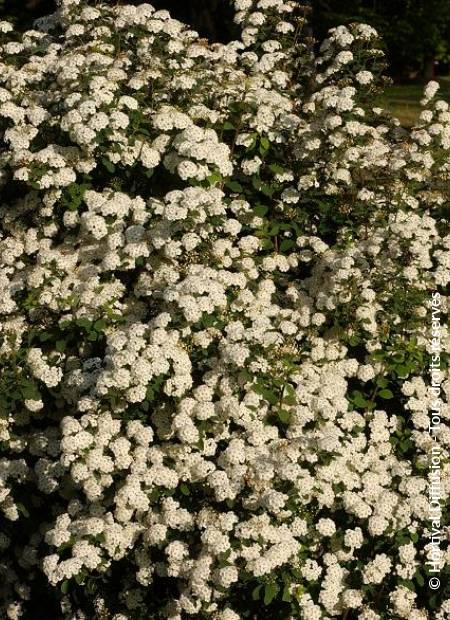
(216,262)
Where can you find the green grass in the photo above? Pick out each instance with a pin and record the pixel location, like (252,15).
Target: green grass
(403,101)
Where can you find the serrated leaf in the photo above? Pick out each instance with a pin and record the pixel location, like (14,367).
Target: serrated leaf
(270,592)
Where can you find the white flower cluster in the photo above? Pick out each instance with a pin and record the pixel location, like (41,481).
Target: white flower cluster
(215,265)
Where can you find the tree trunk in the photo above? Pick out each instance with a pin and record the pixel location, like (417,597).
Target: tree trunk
(428,69)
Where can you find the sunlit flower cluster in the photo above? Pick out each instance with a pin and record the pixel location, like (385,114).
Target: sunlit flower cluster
(215,271)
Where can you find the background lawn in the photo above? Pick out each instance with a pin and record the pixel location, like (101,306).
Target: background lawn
(403,101)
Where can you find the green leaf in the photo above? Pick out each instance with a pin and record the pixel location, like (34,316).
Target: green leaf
(185,489)
(208,320)
(256,592)
(399,357)
(382,382)
(405,445)
(420,580)
(407,583)
(433,601)
(65,587)
(245,375)
(276,169)
(256,182)
(110,167)
(287,596)
(403,371)
(275,229)
(30,391)
(84,323)
(270,592)
(290,389)
(359,400)
(266,393)
(228,126)
(287,244)
(386,394)
(234,186)
(289,400)
(264,145)
(267,190)
(260,210)
(80,578)
(284,416)
(60,345)
(21,508)
(214,178)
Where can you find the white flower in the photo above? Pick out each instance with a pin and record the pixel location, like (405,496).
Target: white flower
(431,89)
(364,77)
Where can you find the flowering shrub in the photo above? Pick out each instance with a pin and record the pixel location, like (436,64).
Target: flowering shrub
(216,262)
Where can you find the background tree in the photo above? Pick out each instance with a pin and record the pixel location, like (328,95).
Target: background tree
(416,33)
(211,18)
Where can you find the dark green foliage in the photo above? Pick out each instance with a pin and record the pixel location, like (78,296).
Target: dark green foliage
(416,32)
